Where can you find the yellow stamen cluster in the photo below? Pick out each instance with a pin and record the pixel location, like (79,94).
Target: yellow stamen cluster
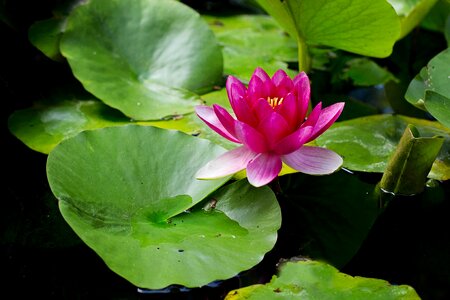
(274,102)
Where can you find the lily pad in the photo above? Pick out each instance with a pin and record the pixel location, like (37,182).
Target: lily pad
(438,106)
(411,12)
(367,143)
(147,58)
(313,280)
(129,192)
(434,77)
(46,124)
(250,41)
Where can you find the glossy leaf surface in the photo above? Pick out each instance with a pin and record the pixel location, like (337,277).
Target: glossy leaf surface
(128,55)
(131,200)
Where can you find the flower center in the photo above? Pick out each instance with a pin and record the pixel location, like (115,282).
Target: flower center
(274,102)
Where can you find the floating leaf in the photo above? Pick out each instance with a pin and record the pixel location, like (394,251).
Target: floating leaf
(411,12)
(250,41)
(367,143)
(313,280)
(146,58)
(129,193)
(46,124)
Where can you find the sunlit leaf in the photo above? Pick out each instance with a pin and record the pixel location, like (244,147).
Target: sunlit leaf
(364,27)
(146,58)
(411,12)
(313,280)
(129,193)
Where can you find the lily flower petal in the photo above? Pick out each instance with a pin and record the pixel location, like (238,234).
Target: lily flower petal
(250,137)
(263,169)
(262,109)
(226,164)
(242,110)
(235,89)
(208,116)
(261,74)
(225,118)
(289,110)
(258,89)
(313,160)
(327,117)
(303,91)
(313,116)
(293,141)
(275,128)
(282,82)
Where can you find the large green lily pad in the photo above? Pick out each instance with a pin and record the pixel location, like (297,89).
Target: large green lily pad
(313,280)
(367,143)
(146,58)
(129,192)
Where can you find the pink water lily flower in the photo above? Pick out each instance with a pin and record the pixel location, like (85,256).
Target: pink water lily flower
(272,125)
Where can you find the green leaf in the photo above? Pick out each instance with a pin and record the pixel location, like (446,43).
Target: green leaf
(434,77)
(313,280)
(46,124)
(146,58)
(365,72)
(327,217)
(364,27)
(367,143)
(407,170)
(437,16)
(129,192)
(46,35)
(251,41)
(411,12)
(438,106)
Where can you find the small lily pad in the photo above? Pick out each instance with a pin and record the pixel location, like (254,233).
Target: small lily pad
(130,193)
(313,280)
